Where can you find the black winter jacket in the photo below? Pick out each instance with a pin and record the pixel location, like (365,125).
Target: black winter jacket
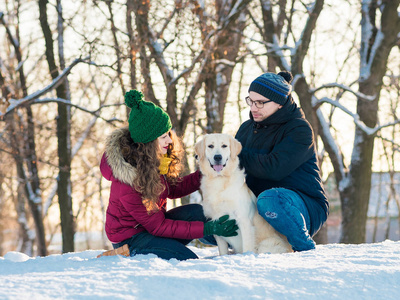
(280,152)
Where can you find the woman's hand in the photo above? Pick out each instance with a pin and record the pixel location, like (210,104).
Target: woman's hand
(222,227)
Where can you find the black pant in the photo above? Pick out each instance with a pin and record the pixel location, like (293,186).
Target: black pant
(166,248)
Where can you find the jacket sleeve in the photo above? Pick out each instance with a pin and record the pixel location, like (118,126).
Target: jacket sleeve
(156,223)
(287,155)
(187,185)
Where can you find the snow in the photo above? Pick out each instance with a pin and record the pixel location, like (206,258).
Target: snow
(333,271)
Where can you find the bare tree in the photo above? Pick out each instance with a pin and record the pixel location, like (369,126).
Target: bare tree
(15,105)
(212,64)
(63,127)
(223,41)
(25,152)
(380,27)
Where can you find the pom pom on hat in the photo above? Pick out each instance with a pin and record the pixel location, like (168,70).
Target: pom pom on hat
(133,98)
(275,87)
(287,76)
(147,121)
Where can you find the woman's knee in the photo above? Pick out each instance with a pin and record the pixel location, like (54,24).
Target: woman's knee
(197,212)
(188,212)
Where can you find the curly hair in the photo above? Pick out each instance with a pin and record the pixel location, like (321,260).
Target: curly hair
(146,159)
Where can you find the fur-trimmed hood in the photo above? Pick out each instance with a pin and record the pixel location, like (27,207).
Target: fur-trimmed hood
(115,167)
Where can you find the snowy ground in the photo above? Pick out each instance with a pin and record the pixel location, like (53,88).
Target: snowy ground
(334,271)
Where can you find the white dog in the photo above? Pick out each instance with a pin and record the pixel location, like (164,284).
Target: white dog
(225,193)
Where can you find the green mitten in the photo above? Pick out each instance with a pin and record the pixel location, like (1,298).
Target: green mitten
(222,227)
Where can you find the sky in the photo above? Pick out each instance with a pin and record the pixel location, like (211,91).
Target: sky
(333,271)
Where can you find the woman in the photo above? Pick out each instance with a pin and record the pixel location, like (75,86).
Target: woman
(142,161)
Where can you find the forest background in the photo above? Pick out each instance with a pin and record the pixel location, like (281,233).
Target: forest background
(65,66)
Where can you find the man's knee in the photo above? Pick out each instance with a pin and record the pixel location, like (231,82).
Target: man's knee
(266,202)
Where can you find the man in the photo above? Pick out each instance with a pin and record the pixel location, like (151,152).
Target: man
(280,161)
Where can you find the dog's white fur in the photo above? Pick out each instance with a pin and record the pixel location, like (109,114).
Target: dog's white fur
(225,192)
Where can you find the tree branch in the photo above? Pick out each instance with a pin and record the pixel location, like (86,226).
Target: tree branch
(30,98)
(345,88)
(356,118)
(331,146)
(303,43)
(67,102)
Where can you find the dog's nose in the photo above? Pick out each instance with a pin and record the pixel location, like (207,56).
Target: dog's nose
(217,157)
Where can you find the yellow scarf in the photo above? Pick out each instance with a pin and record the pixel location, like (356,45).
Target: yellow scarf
(165,161)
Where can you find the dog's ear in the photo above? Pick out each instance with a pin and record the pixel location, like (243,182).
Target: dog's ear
(236,147)
(199,148)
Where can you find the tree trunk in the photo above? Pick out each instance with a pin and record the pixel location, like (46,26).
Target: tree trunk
(132,44)
(376,44)
(355,197)
(63,137)
(25,239)
(117,47)
(301,87)
(219,74)
(1,213)
(23,142)
(220,63)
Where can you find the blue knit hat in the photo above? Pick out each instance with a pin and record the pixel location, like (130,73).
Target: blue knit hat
(275,87)
(147,121)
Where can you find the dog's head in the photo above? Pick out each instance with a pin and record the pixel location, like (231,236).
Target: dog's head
(218,154)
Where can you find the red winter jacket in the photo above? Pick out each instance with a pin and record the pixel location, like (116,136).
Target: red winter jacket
(126,215)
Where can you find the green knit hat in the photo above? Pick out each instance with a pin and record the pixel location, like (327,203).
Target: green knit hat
(147,121)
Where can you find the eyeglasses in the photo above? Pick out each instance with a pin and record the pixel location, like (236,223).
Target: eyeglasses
(257,103)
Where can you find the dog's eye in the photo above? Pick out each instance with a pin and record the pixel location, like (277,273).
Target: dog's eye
(210,146)
(224,146)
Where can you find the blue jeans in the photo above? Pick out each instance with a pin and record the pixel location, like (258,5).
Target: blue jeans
(166,248)
(287,213)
